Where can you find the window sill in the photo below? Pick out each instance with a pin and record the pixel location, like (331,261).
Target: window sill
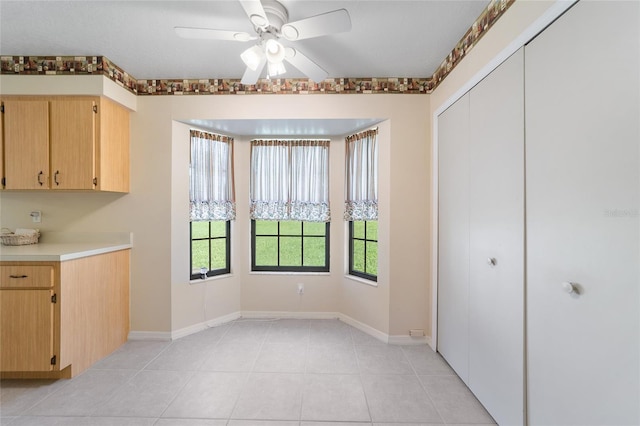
(213,278)
(288,273)
(361,280)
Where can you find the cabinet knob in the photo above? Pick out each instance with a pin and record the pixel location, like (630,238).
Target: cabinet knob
(55,177)
(492,261)
(39,175)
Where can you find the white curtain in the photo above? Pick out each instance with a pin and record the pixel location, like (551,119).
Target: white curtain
(362,176)
(290,180)
(211,190)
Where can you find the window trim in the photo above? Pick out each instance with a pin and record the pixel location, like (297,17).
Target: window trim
(351,271)
(214,272)
(278,268)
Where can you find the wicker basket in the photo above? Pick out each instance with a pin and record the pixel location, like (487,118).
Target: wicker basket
(10,239)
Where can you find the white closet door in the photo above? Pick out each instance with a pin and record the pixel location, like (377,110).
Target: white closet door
(583,187)
(496,240)
(453,236)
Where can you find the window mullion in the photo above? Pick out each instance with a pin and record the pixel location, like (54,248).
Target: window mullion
(279,236)
(365,247)
(301,243)
(209,253)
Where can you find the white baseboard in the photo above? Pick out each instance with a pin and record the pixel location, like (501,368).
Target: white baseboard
(400,339)
(192,329)
(176,334)
(287,314)
(383,337)
(149,335)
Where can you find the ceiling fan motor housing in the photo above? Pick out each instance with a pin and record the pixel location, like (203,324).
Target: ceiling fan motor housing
(276,14)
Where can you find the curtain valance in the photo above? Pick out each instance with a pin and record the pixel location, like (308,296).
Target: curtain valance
(290,180)
(361,173)
(211,186)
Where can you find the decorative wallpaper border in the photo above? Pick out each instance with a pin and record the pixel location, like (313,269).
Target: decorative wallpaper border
(491,14)
(101,65)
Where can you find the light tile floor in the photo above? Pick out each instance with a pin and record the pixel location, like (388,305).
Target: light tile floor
(253,373)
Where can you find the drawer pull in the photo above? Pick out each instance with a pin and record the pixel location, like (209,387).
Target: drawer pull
(18,276)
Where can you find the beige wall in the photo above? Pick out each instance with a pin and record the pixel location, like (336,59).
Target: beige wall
(156,211)
(403,156)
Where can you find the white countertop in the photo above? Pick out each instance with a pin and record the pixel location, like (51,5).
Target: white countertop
(59,248)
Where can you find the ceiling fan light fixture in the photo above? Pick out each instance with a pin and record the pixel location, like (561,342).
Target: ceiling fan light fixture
(274,51)
(251,57)
(275,68)
(290,32)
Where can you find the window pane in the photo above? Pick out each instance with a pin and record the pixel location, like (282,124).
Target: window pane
(199,255)
(199,230)
(358,255)
(266,227)
(291,227)
(358,229)
(314,251)
(314,228)
(219,254)
(372,258)
(372,230)
(290,251)
(218,228)
(266,251)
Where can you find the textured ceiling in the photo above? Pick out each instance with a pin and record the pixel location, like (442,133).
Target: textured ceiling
(388,38)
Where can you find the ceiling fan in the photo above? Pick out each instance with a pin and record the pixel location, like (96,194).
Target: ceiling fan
(270,22)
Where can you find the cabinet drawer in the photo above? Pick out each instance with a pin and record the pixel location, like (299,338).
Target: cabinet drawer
(20,276)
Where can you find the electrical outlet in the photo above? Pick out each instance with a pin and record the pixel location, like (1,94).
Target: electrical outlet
(36,216)
(300,288)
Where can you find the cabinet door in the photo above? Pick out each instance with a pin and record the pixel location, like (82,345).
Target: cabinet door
(496,241)
(583,199)
(26,336)
(26,144)
(73,134)
(453,236)
(112,155)
(2,149)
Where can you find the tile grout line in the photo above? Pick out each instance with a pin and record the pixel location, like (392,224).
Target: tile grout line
(250,372)
(355,351)
(193,373)
(305,372)
(415,373)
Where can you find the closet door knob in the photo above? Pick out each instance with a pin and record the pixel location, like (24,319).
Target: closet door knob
(569,287)
(492,261)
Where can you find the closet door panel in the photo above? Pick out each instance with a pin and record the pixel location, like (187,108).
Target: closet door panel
(583,187)
(453,236)
(496,241)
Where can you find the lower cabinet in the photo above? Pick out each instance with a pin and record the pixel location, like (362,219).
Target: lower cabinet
(27,330)
(58,318)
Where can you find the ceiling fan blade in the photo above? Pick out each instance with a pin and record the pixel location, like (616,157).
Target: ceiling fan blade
(337,21)
(255,12)
(306,65)
(211,34)
(250,76)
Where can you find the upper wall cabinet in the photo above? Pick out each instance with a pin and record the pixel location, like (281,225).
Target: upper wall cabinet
(65,143)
